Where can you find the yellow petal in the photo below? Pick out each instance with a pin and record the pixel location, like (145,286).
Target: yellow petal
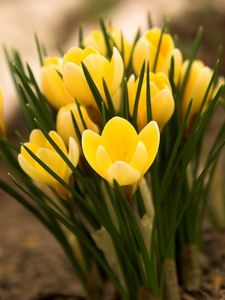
(58,140)
(76,55)
(25,153)
(123,173)
(31,171)
(64,123)
(119,138)
(73,152)
(140,54)
(51,60)
(37,138)
(162,107)
(77,85)
(53,161)
(90,143)
(54,88)
(150,136)
(103,161)
(140,159)
(114,72)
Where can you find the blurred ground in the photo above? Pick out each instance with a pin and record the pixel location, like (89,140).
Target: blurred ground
(32,265)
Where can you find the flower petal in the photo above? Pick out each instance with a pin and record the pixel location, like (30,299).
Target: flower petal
(140,159)
(114,73)
(90,143)
(31,171)
(73,152)
(103,161)
(150,136)
(77,85)
(123,173)
(162,107)
(119,138)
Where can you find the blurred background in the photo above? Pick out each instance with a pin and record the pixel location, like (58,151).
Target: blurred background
(28,270)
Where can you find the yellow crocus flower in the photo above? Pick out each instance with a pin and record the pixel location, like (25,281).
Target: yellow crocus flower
(2,121)
(146,50)
(64,122)
(196,86)
(162,102)
(98,66)
(119,153)
(41,147)
(96,40)
(52,84)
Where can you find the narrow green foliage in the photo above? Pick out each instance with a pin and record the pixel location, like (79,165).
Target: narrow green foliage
(137,96)
(106,37)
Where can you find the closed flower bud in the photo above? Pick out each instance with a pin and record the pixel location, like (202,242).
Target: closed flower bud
(96,40)
(2,121)
(120,153)
(146,50)
(98,66)
(52,84)
(196,87)
(41,147)
(162,102)
(64,122)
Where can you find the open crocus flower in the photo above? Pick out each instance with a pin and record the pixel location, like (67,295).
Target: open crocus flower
(41,147)
(52,84)
(120,153)
(98,66)
(196,86)
(162,102)
(96,40)
(146,50)
(64,122)
(2,122)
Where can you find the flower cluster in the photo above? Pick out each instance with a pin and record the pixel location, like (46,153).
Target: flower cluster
(120,153)
(113,162)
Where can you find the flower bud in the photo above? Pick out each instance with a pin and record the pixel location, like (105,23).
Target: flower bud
(146,50)
(98,66)
(41,147)
(64,122)
(162,102)
(96,40)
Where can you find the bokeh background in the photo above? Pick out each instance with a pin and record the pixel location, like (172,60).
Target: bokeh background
(32,266)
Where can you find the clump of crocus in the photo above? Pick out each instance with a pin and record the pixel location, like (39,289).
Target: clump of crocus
(162,102)
(119,153)
(2,121)
(52,84)
(99,68)
(158,53)
(64,122)
(196,87)
(96,40)
(42,149)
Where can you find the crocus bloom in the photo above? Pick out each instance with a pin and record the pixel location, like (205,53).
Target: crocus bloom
(64,122)
(52,84)
(96,40)
(98,66)
(196,86)
(2,122)
(41,147)
(120,153)
(146,50)
(162,102)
